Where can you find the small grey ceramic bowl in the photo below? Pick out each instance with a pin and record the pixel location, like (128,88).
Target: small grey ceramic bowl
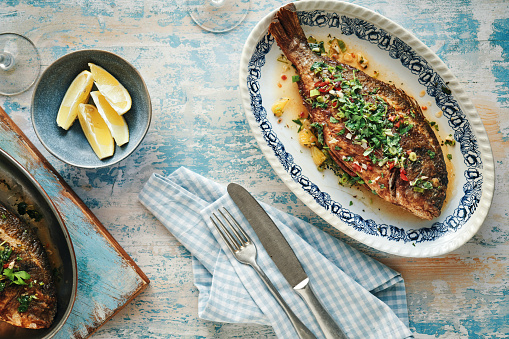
(71,146)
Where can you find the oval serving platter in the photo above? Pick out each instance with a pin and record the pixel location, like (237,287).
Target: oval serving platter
(16,186)
(354,211)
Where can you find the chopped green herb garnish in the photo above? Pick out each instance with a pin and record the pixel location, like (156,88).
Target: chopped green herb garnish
(314,93)
(5,253)
(318,47)
(24,302)
(449,156)
(298,122)
(427,185)
(282,58)
(364,115)
(319,131)
(450,141)
(431,154)
(342,45)
(295,78)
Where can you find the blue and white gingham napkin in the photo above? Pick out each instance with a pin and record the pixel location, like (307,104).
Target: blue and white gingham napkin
(365,297)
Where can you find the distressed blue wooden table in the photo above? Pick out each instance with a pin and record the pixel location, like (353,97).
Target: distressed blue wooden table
(198,122)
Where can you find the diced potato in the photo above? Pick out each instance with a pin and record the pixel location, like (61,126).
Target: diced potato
(317,155)
(279,106)
(307,138)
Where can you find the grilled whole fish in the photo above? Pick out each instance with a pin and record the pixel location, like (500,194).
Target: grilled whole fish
(371,129)
(31,302)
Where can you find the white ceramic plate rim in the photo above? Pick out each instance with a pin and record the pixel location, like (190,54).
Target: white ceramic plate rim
(432,248)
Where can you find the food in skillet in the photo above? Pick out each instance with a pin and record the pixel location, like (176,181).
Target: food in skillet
(371,129)
(27,288)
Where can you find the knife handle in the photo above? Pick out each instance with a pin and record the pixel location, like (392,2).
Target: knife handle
(330,329)
(300,328)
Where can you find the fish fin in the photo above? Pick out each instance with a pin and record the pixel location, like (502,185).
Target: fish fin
(285,26)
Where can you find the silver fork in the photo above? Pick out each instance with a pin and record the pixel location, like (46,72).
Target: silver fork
(244,250)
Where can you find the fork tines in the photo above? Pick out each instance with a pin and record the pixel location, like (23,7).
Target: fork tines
(236,238)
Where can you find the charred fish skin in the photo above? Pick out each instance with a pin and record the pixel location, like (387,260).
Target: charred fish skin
(31,305)
(371,129)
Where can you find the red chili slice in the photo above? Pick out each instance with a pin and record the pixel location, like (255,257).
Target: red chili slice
(391,117)
(402,174)
(397,124)
(391,165)
(356,168)
(6,265)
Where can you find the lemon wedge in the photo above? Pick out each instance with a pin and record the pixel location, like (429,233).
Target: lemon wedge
(96,131)
(115,122)
(76,94)
(113,91)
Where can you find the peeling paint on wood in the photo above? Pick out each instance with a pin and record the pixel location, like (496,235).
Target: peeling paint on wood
(198,122)
(108,278)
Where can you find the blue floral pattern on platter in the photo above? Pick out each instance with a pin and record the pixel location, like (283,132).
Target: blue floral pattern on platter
(436,88)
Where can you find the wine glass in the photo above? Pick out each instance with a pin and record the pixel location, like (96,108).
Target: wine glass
(218,15)
(19,64)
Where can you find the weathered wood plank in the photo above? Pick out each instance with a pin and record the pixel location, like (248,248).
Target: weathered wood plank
(97,252)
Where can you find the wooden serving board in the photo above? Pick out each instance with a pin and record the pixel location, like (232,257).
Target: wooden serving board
(108,278)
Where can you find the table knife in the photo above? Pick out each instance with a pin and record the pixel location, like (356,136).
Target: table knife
(283,256)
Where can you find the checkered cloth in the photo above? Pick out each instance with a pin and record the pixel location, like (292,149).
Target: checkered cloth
(366,298)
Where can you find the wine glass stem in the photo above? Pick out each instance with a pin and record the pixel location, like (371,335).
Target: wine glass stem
(6,61)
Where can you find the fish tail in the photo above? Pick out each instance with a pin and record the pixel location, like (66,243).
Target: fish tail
(285,26)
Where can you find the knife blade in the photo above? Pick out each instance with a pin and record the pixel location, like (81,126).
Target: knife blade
(283,256)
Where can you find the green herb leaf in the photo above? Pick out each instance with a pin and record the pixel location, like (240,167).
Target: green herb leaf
(319,131)
(342,45)
(24,302)
(18,277)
